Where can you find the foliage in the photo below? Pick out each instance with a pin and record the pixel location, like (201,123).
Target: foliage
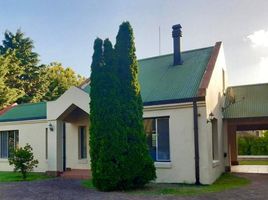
(23,160)
(59,80)
(28,75)
(253,162)
(7,95)
(119,153)
(135,153)
(23,79)
(16,176)
(253,145)
(225,182)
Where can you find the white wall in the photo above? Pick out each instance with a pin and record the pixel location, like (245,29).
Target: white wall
(73,96)
(32,132)
(72,160)
(210,170)
(181,168)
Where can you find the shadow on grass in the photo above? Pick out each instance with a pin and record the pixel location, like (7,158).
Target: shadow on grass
(225,182)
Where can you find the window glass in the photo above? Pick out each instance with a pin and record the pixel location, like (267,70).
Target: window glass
(157,133)
(8,141)
(215,139)
(82,143)
(163,139)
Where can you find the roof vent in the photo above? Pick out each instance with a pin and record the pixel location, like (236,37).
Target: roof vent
(177,34)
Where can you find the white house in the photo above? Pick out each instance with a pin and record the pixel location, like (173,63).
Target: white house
(183,95)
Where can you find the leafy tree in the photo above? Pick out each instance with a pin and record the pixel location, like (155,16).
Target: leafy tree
(119,153)
(59,80)
(7,95)
(28,76)
(23,160)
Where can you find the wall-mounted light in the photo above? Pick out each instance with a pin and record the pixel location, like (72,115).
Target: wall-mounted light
(50,126)
(210,117)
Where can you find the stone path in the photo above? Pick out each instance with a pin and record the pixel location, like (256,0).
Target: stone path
(59,188)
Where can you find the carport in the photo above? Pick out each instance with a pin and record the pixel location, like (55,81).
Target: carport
(245,109)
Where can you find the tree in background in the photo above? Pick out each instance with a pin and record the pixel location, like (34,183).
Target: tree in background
(119,153)
(7,95)
(26,78)
(29,76)
(59,80)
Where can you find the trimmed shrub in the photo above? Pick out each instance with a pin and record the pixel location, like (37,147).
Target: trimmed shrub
(252,145)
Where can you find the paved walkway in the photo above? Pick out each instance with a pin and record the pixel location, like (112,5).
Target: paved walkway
(56,189)
(260,169)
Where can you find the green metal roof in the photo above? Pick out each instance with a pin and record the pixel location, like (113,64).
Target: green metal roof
(27,111)
(161,81)
(246,101)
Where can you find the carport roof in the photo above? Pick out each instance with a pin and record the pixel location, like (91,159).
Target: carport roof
(28,111)
(248,101)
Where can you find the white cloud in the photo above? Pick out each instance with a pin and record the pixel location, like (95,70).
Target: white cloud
(262,70)
(259,38)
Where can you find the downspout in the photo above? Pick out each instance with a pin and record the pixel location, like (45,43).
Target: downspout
(196,143)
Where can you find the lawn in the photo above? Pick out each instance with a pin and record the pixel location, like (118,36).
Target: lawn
(253,162)
(15,176)
(225,182)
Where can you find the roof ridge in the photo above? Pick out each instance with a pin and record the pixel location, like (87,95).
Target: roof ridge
(187,51)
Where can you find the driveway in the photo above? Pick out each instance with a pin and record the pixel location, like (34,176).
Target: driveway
(71,189)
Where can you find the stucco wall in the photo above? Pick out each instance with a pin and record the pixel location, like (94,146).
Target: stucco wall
(210,170)
(72,160)
(32,132)
(181,168)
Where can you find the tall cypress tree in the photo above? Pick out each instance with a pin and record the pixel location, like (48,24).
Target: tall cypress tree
(95,106)
(138,167)
(119,153)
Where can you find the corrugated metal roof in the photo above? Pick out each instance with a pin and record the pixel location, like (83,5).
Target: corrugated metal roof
(249,101)
(27,111)
(161,81)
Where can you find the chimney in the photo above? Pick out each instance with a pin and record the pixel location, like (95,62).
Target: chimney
(176,34)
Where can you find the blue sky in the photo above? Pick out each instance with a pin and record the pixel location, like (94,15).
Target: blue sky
(64,30)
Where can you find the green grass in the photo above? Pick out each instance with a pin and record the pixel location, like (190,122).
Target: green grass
(15,176)
(225,182)
(253,162)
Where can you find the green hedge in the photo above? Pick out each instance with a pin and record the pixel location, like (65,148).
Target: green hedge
(253,145)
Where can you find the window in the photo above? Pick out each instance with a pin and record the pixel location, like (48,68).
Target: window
(223,81)
(157,132)
(8,141)
(82,142)
(214,123)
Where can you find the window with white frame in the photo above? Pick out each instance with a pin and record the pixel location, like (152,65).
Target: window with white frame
(82,142)
(215,145)
(157,133)
(8,141)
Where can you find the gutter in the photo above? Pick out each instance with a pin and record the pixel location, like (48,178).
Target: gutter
(196,144)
